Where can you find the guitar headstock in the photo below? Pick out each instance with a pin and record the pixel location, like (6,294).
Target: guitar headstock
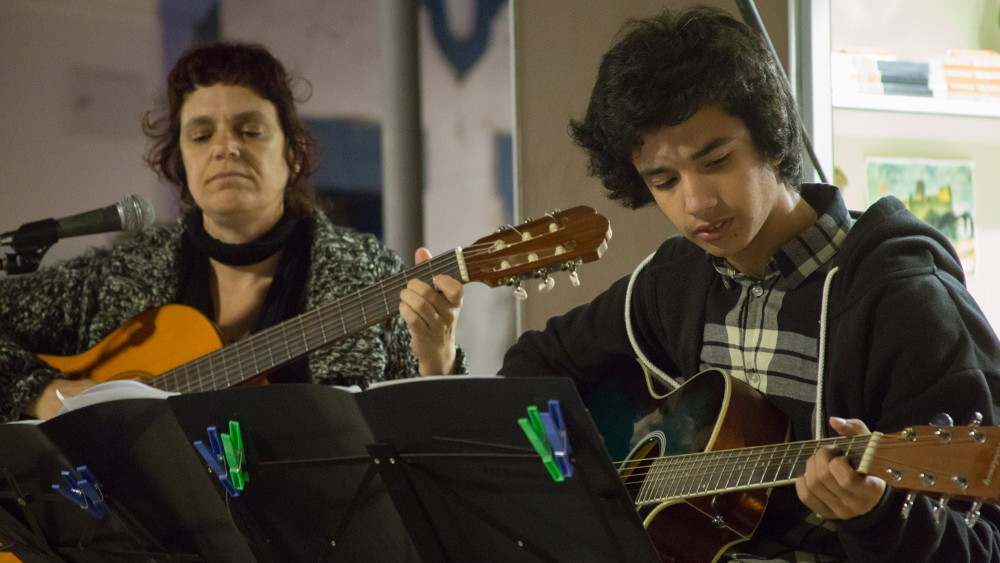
(955,462)
(560,240)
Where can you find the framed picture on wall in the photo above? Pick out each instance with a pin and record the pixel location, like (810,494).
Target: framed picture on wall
(939,192)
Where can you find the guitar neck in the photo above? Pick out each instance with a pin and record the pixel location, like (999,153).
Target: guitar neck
(292,339)
(681,476)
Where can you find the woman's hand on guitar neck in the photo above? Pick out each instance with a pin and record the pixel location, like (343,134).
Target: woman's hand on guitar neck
(831,487)
(432,314)
(46,405)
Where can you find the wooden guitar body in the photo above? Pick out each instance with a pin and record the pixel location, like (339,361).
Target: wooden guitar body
(710,412)
(706,455)
(149,344)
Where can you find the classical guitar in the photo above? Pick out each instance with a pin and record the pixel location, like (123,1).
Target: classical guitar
(175,348)
(705,456)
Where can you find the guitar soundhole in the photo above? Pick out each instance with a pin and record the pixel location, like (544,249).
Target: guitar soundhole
(635,470)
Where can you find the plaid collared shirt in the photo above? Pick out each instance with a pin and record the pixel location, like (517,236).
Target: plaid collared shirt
(765,332)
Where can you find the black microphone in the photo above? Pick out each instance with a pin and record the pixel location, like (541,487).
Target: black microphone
(132,213)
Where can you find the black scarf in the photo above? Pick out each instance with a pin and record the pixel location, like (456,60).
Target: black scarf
(286,296)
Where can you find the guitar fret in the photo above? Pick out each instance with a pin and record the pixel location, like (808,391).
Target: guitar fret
(322,327)
(680,469)
(667,476)
(270,350)
(771,473)
(253,358)
(385,302)
(343,322)
(718,484)
(653,479)
(685,482)
(757,469)
(798,465)
(305,337)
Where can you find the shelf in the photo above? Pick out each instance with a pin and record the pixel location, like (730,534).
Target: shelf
(916,104)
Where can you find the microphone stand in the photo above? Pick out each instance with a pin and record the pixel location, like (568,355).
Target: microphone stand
(24,261)
(30,243)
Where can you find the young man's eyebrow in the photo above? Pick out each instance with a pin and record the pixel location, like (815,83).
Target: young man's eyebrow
(711,146)
(708,148)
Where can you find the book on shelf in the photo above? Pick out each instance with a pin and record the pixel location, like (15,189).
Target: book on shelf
(968,73)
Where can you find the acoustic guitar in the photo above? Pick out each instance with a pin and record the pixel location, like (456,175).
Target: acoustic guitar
(175,348)
(705,456)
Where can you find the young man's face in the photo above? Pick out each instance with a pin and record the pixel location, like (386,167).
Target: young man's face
(708,179)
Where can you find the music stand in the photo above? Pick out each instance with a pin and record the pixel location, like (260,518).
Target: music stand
(462,484)
(161,505)
(311,493)
(469,467)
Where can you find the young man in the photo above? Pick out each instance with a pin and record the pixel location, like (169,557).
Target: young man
(844,321)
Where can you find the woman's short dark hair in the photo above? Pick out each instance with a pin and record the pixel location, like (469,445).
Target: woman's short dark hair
(663,70)
(235,64)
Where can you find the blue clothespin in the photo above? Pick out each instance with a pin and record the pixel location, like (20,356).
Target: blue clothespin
(218,454)
(547,433)
(555,430)
(83,489)
(535,431)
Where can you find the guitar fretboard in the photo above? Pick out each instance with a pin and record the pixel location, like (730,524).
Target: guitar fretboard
(681,476)
(296,337)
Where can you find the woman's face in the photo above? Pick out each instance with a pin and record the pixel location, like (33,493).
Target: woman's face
(233,150)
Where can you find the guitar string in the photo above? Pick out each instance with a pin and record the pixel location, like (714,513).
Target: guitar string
(244,356)
(729,463)
(681,474)
(233,359)
(206,362)
(889,441)
(642,468)
(312,324)
(679,478)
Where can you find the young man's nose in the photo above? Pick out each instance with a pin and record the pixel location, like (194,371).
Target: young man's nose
(699,197)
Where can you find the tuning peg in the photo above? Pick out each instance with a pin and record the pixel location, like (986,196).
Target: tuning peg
(972,516)
(548,282)
(977,419)
(907,505)
(519,291)
(942,419)
(574,278)
(937,508)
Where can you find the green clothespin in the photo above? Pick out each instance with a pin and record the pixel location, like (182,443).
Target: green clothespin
(535,431)
(232,444)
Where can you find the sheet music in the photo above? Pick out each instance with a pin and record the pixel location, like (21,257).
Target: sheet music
(113,391)
(386,382)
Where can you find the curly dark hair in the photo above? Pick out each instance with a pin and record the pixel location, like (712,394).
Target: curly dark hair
(663,70)
(236,64)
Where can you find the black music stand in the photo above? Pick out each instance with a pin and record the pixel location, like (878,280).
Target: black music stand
(36,523)
(467,464)
(456,479)
(161,505)
(311,493)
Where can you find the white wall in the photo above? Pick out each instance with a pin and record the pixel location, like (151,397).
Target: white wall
(67,149)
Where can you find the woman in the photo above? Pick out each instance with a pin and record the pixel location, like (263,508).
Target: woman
(251,250)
